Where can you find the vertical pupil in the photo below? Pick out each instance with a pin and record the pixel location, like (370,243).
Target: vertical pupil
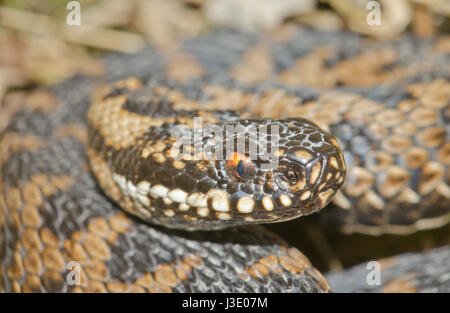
(240,168)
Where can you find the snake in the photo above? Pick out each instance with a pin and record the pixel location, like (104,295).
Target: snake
(98,194)
(410,272)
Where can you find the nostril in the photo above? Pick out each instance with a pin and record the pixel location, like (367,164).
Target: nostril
(282,181)
(291,177)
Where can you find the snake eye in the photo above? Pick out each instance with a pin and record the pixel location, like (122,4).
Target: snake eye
(240,167)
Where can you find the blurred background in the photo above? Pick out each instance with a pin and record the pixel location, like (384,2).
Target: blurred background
(38,48)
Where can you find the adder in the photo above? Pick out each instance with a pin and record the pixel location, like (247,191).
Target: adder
(93,199)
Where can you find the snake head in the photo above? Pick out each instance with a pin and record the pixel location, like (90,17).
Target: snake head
(310,171)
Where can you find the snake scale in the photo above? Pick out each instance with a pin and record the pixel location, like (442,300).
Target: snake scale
(79,151)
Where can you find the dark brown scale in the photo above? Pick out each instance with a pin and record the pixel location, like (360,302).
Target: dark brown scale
(268,188)
(193,171)
(143,169)
(185,181)
(205,184)
(165,176)
(315,138)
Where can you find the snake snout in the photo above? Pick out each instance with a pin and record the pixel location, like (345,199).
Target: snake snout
(311,170)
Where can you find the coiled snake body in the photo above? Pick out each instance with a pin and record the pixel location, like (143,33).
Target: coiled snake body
(386,103)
